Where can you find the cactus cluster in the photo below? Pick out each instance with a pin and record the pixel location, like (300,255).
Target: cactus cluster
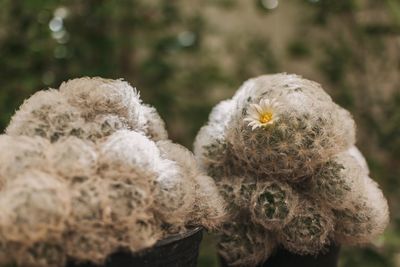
(87,170)
(282,154)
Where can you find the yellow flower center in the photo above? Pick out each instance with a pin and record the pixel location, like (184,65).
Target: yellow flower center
(265,117)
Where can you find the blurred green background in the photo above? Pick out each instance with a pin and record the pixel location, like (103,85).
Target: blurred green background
(185,56)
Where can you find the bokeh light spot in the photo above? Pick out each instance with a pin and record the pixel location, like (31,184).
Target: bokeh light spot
(61,12)
(62,37)
(270,4)
(186,38)
(56,24)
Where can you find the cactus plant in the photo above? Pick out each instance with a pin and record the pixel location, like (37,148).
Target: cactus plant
(90,170)
(284,136)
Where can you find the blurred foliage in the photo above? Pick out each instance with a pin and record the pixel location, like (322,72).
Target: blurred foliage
(185,57)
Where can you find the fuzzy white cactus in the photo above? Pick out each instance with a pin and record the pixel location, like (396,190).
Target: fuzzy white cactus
(88,108)
(89,170)
(283,156)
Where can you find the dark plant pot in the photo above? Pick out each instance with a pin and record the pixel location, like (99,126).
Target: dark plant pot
(175,251)
(284,258)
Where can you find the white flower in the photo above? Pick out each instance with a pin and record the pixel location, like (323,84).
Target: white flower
(262,114)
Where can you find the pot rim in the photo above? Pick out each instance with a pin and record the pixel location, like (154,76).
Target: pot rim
(175,237)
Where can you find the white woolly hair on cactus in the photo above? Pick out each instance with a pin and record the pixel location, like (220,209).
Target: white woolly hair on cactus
(88,108)
(210,144)
(89,170)
(23,153)
(46,114)
(210,150)
(210,207)
(175,195)
(304,127)
(93,95)
(42,254)
(358,156)
(181,155)
(88,199)
(283,157)
(102,125)
(90,242)
(155,126)
(205,202)
(245,244)
(36,204)
(309,230)
(338,180)
(73,157)
(364,218)
(129,151)
(144,232)
(126,199)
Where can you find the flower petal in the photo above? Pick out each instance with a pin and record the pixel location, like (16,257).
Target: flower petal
(258,108)
(265,103)
(254,114)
